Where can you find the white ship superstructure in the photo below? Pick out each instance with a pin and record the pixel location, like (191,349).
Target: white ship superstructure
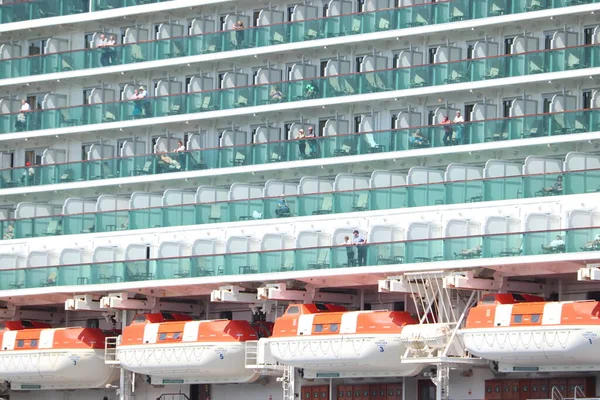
(352,200)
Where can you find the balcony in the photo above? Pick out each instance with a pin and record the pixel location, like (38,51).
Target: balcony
(34,9)
(247,263)
(499,180)
(261,36)
(340,145)
(482,69)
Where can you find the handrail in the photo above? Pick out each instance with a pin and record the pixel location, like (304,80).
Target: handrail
(556,395)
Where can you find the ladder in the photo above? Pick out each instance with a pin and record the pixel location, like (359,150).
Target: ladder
(110,350)
(287,381)
(251,354)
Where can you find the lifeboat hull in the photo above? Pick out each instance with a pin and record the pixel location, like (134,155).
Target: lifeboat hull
(55,369)
(364,355)
(556,346)
(177,363)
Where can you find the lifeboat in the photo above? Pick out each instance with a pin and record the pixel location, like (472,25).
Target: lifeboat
(523,333)
(328,341)
(35,356)
(173,349)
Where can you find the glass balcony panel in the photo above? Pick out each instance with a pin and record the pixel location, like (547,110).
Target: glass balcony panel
(503,188)
(315,204)
(388,198)
(111,221)
(277,261)
(208,265)
(503,245)
(462,248)
(212,213)
(424,250)
(78,223)
(542,185)
(145,218)
(12,279)
(245,210)
(175,268)
(312,258)
(426,195)
(582,240)
(575,182)
(241,263)
(385,253)
(464,192)
(543,243)
(179,215)
(43,277)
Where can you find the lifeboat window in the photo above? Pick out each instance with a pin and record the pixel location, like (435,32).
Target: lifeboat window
(517,318)
(488,299)
(176,335)
(535,318)
(162,336)
(321,307)
(140,318)
(319,328)
(293,310)
(333,327)
(33,343)
(20,343)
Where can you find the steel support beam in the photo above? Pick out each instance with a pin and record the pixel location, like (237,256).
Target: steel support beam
(279,291)
(397,284)
(466,280)
(591,272)
(232,294)
(83,302)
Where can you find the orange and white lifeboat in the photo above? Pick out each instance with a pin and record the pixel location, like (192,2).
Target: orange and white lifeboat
(525,334)
(35,356)
(173,349)
(327,341)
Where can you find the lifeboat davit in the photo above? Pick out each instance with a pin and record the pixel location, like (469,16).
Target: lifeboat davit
(35,356)
(327,341)
(173,349)
(527,334)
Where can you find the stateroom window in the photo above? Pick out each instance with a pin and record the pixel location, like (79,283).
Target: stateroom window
(333,327)
(349,394)
(293,310)
(535,318)
(162,336)
(176,335)
(324,395)
(516,389)
(357,394)
(33,343)
(319,328)
(366,393)
(398,392)
(390,393)
(316,395)
(341,394)
(20,343)
(517,319)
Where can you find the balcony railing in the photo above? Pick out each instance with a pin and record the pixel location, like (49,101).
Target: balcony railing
(490,130)
(16,11)
(337,202)
(302,259)
(252,37)
(472,70)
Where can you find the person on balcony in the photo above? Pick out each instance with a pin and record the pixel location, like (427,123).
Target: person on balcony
(110,50)
(239,34)
(301,136)
(312,142)
(137,104)
(275,94)
(283,209)
(104,56)
(554,189)
(361,248)
(417,140)
(349,251)
(448,132)
(458,127)
(21,123)
(145,102)
(592,244)
(556,245)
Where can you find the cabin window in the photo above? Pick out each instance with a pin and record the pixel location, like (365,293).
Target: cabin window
(334,327)
(366,393)
(357,394)
(516,389)
(348,394)
(535,318)
(341,394)
(293,310)
(517,319)
(324,395)
(398,392)
(488,389)
(20,343)
(319,328)
(176,335)
(316,395)
(33,342)
(162,336)
(139,318)
(391,393)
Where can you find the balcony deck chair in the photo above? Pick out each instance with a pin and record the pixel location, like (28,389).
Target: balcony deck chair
(206,104)
(239,159)
(175,109)
(67,176)
(456,77)
(277,38)
(534,68)
(109,117)
(277,155)
(493,73)
(356,27)
(326,206)
(311,34)
(418,81)
(419,20)
(65,120)
(457,14)
(320,264)
(136,53)
(362,203)
(242,101)
(50,279)
(146,169)
(215,213)
(346,149)
(535,5)
(53,228)
(512,251)
(496,10)
(553,250)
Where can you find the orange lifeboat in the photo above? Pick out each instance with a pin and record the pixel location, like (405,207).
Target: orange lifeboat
(35,356)
(525,333)
(328,341)
(173,349)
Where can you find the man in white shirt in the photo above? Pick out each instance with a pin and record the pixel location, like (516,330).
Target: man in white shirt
(459,121)
(104,56)
(21,123)
(555,244)
(361,248)
(180,147)
(142,94)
